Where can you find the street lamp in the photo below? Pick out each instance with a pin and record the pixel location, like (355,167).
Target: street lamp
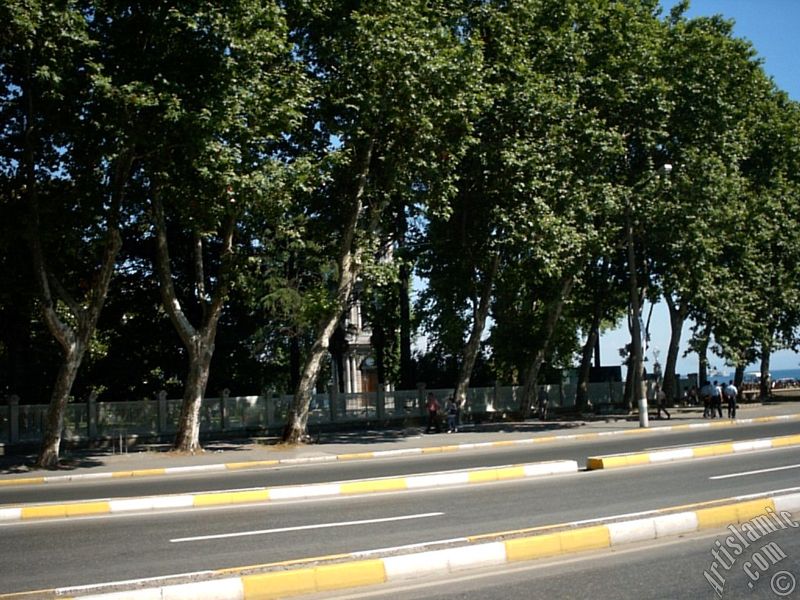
(637,354)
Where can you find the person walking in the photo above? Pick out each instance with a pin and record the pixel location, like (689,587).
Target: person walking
(716,400)
(433,414)
(452,415)
(542,401)
(706,393)
(661,403)
(731,394)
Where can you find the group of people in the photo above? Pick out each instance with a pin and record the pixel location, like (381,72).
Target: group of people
(713,396)
(452,411)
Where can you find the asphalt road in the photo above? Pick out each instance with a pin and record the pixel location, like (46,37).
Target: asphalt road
(662,570)
(383,467)
(100,549)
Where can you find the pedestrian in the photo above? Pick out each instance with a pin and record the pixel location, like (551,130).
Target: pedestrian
(731,393)
(706,393)
(542,401)
(661,403)
(433,414)
(452,415)
(717,400)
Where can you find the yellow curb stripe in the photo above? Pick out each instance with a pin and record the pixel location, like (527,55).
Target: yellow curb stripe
(139,473)
(721,516)
(615,462)
(88,508)
(236,466)
(551,544)
(504,444)
(44,512)
(375,485)
(786,440)
(230,498)
(363,572)
(432,450)
(712,450)
(485,475)
(587,538)
(450,448)
(25,481)
(530,548)
(281,584)
(278,585)
(542,440)
(286,563)
(355,456)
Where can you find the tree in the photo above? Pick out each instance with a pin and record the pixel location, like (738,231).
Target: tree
(223,90)
(713,78)
(71,161)
(396,82)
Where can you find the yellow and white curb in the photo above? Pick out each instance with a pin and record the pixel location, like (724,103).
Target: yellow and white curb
(630,459)
(417,451)
(366,568)
(293,492)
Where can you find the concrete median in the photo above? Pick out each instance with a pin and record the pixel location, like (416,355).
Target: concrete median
(297,492)
(630,459)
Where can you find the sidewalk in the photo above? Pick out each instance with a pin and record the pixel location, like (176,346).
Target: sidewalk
(259,452)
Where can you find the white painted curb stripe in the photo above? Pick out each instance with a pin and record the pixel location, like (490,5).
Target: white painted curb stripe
(437,480)
(749,445)
(151,503)
(667,455)
(789,502)
(309,491)
(10,514)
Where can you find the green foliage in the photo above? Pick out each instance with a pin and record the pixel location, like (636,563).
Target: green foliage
(523,130)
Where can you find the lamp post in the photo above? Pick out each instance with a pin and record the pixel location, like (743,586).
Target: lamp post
(637,354)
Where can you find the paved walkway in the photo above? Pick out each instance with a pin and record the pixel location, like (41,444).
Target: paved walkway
(241,453)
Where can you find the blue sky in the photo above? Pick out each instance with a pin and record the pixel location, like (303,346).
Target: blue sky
(772,28)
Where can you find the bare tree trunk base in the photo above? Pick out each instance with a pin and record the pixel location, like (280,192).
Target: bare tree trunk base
(47,459)
(295,435)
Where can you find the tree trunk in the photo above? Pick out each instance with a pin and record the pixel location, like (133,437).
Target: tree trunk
(481,311)
(677,316)
(764,384)
(54,423)
(349,268)
(585,369)
(636,359)
(187,438)
(739,377)
(199,342)
(406,365)
(552,317)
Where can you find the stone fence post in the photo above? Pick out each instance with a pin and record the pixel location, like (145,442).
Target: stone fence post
(270,404)
(91,415)
(162,411)
(421,398)
(333,400)
(13,419)
(223,406)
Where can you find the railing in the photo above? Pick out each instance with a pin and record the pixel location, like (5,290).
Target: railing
(109,420)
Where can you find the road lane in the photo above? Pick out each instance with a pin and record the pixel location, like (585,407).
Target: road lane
(114,548)
(577,450)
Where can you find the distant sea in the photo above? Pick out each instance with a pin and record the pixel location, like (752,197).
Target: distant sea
(775,374)
(785,373)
